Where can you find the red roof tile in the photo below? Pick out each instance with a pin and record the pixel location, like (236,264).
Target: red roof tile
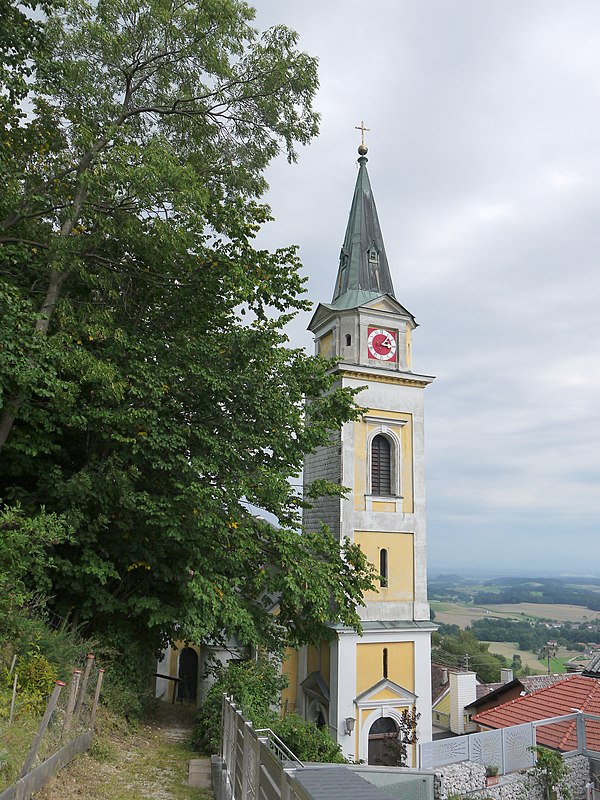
(574,692)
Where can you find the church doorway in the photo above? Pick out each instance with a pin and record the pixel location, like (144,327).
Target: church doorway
(188,674)
(383,738)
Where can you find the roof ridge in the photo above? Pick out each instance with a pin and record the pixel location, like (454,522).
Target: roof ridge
(522,697)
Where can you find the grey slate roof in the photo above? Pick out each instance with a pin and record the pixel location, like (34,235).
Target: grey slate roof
(329,782)
(593,668)
(531,683)
(388,624)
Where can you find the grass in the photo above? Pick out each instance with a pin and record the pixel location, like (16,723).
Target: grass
(126,764)
(15,741)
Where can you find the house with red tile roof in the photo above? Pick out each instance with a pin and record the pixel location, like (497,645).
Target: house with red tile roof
(573,693)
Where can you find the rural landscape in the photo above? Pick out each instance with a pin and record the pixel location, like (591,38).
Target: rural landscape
(545,624)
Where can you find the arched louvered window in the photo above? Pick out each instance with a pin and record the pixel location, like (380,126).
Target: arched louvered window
(381,466)
(383,567)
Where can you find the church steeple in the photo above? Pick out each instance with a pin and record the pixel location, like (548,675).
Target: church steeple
(363,272)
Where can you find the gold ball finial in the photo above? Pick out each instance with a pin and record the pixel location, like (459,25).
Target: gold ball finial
(362,148)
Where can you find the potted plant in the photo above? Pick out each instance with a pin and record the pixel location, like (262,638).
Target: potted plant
(491,774)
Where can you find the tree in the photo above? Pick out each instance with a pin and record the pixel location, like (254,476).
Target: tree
(396,746)
(453,649)
(148,393)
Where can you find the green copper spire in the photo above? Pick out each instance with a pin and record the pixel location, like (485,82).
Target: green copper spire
(363,273)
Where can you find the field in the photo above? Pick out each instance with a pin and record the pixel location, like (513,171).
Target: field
(508,649)
(464,615)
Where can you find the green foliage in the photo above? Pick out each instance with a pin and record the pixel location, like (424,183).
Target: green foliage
(147,393)
(254,686)
(452,649)
(25,560)
(551,772)
(307,741)
(36,680)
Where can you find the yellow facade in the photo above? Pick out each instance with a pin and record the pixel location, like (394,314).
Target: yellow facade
(362,431)
(379,505)
(326,664)
(443,704)
(326,345)
(313,659)
(290,670)
(369,664)
(400,559)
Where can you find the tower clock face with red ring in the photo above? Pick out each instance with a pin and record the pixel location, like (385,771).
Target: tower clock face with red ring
(382,344)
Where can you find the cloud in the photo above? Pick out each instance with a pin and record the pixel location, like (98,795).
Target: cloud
(484,158)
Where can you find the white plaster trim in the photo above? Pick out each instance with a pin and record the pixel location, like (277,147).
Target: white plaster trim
(393,423)
(382,710)
(390,434)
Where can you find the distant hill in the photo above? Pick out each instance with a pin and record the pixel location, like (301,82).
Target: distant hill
(518,590)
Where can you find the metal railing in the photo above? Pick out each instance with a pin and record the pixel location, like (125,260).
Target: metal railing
(257,765)
(277,747)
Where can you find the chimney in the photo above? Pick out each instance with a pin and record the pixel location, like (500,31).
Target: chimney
(463,691)
(506,675)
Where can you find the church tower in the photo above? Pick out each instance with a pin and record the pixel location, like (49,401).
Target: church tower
(360,685)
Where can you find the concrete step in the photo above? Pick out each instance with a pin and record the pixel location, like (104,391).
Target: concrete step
(199,773)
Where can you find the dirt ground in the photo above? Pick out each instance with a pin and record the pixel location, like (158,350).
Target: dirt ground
(148,763)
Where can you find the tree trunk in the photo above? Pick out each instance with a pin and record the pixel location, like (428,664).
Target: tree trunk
(13,404)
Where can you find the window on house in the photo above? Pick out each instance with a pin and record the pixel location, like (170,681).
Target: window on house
(385,662)
(381,466)
(348,340)
(383,567)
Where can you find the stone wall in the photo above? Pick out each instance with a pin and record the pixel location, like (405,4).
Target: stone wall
(467,779)
(325,462)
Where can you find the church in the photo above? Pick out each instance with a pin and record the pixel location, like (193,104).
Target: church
(358,686)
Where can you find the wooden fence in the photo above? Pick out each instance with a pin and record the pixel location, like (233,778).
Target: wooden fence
(71,738)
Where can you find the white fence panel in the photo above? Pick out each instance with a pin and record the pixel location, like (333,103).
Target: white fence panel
(516,743)
(444,751)
(486,748)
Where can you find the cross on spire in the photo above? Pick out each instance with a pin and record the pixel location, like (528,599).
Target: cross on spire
(362,130)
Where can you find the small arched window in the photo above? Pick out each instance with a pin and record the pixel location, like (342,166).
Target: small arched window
(383,567)
(381,466)
(348,340)
(385,662)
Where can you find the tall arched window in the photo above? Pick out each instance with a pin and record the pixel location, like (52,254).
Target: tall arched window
(381,466)
(385,662)
(383,567)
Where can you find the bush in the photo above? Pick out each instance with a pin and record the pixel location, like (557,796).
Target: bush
(255,687)
(306,741)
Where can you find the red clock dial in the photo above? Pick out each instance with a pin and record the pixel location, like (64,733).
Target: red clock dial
(382,344)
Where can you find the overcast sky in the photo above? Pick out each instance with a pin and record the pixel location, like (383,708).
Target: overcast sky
(484,158)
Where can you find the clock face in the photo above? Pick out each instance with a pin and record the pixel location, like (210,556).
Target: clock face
(382,344)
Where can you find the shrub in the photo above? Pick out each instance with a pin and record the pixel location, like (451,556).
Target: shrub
(255,687)
(306,741)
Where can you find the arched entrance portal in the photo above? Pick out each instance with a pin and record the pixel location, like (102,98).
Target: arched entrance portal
(188,674)
(383,738)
